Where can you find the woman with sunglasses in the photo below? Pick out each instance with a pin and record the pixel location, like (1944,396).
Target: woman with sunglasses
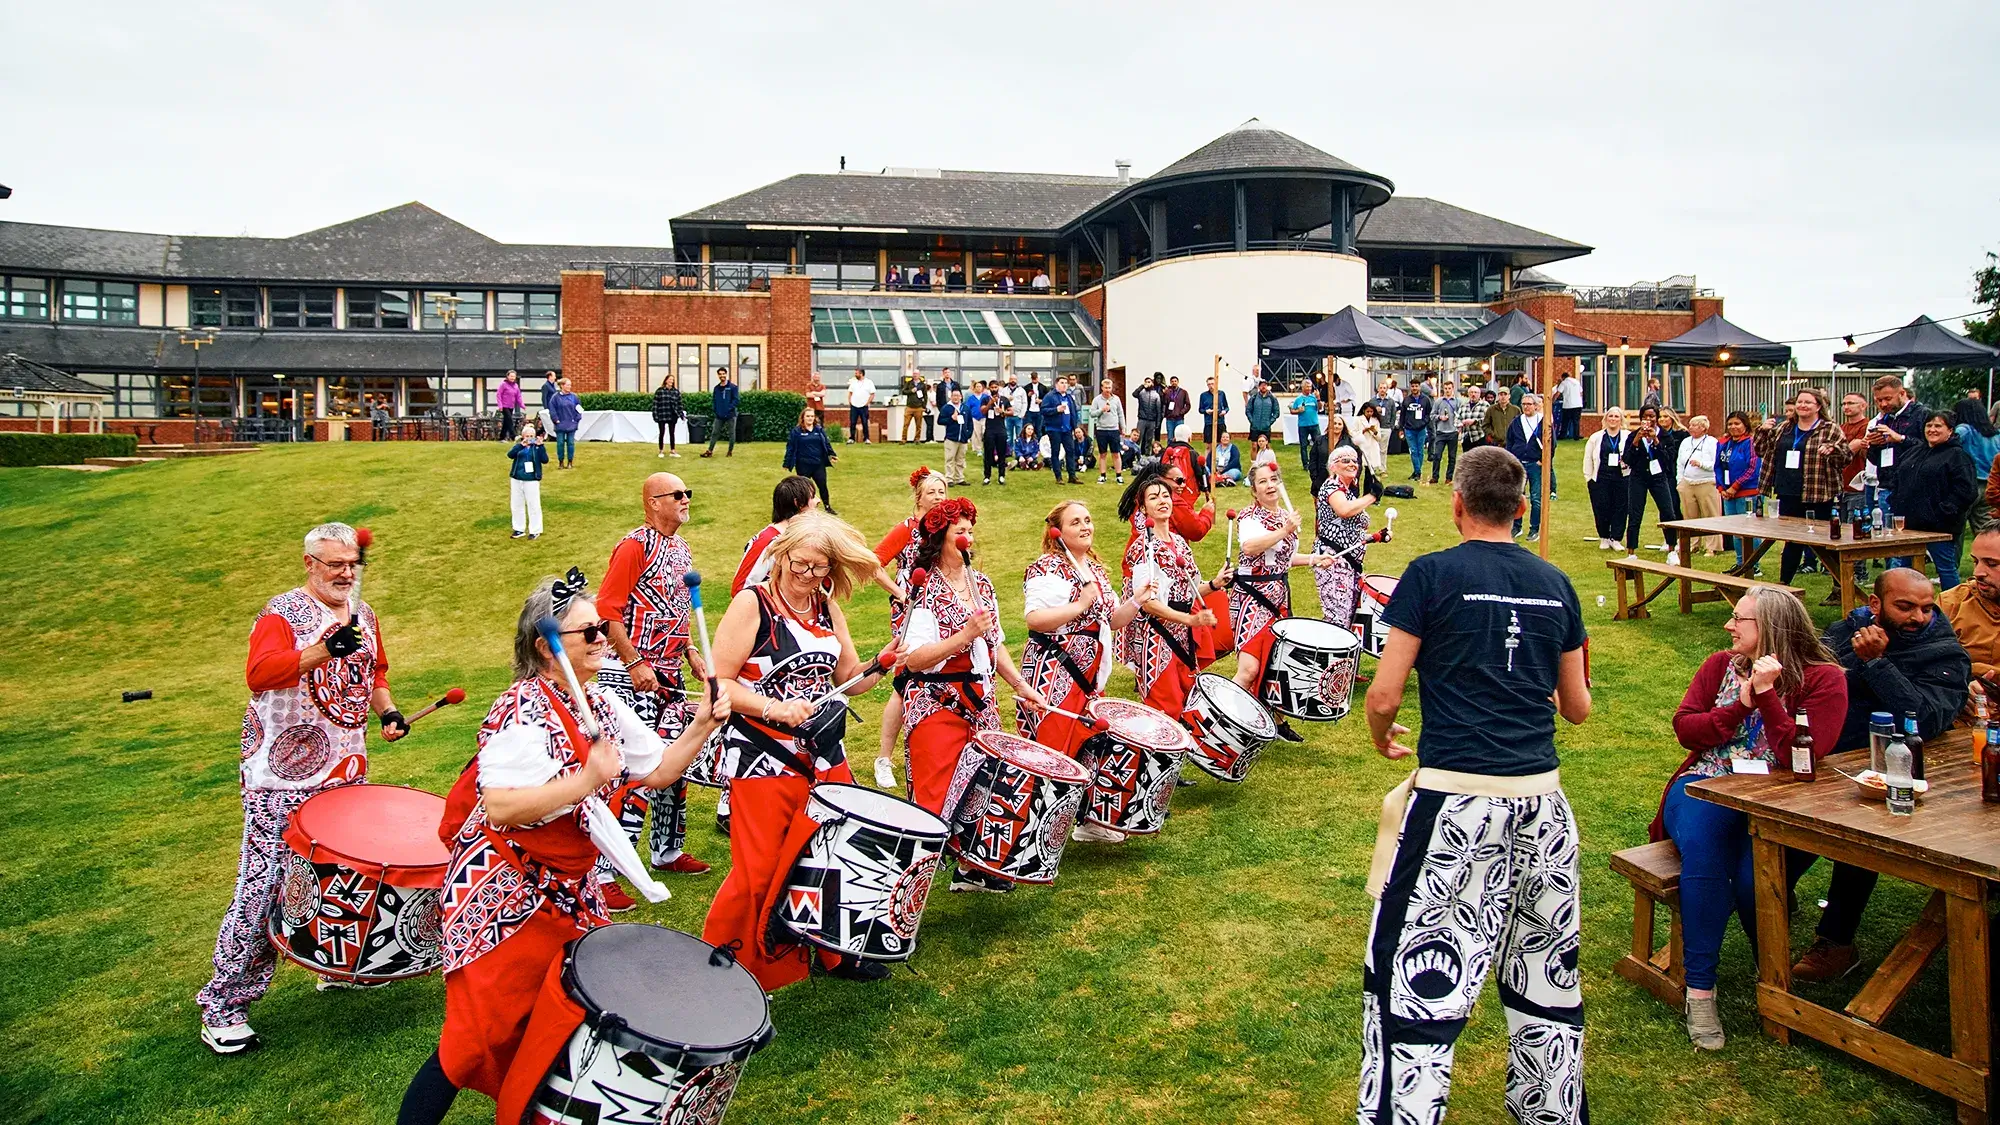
(781,648)
(521,882)
(1172,625)
(955,648)
(899,549)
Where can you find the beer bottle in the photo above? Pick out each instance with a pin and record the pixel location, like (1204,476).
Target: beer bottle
(1989,764)
(1803,768)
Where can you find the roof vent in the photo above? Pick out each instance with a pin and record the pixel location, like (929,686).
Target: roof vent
(1124,170)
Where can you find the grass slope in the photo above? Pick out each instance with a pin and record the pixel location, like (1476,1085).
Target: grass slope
(1211,973)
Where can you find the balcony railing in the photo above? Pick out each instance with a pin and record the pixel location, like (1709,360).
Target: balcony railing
(720,277)
(1662,298)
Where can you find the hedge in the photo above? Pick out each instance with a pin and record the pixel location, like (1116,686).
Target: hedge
(769,414)
(63,449)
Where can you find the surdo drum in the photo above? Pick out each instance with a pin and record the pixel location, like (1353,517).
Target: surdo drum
(1134,764)
(1311,671)
(669,1021)
(706,769)
(359,897)
(1376,590)
(1016,812)
(1230,727)
(860,885)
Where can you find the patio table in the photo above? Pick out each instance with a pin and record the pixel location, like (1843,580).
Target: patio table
(1773,530)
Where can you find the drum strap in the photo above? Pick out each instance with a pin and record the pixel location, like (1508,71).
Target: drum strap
(1248,583)
(969,681)
(1181,652)
(776,749)
(1052,643)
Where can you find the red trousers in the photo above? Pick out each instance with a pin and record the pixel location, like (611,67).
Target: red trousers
(934,747)
(1169,691)
(768,828)
(489,1044)
(1061,733)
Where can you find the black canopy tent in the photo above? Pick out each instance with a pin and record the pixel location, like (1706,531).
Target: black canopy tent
(1717,343)
(1924,343)
(1349,334)
(1517,333)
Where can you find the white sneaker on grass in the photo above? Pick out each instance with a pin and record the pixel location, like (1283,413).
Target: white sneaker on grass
(885,774)
(1096,834)
(232,1040)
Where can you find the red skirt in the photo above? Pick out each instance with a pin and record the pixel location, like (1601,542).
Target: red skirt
(1169,690)
(935,745)
(768,828)
(490,1042)
(1258,648)
(1061,733)
(1216,642)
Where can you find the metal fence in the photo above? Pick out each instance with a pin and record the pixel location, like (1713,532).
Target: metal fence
(1666,297)
(1756,394)
(726,277)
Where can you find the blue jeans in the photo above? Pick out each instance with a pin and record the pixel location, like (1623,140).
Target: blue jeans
(1062,453)
(1738,507)
(565,446)
(1013,430)
(1174,427)
(1944,558)
(1416,440)
(1716,877)
(1534,499)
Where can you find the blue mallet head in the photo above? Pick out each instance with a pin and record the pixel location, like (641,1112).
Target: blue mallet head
(692,580)
(551,632)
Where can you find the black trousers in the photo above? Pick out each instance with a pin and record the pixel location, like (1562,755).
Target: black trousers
(510,422)
(666,435)
(1795,553)
(1149,435)
(1444,447)
(1608,502)
(818,477)
(1639,486)
(993,451)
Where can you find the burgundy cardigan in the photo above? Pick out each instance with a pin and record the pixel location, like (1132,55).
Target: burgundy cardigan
(1700,725)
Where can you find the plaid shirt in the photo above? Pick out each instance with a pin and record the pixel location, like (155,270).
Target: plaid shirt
(1471,415)
(1823,454)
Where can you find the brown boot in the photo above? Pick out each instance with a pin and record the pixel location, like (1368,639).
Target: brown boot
(1825,961)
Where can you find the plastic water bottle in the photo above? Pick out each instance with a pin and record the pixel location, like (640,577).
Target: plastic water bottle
(1880,723)
(1896,773)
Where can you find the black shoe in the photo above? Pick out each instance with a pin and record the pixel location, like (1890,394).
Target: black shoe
(1183,781)
(963,881)
(1286,732)
(722,825)
(854,968)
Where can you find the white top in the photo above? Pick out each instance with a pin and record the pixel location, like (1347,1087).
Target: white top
(1017,397)
(1041,281)
(1571,390)
(1051,591)
(517,757)
(1697,460)
(1343,397)
(860,392)
(922,629)
(1262,456)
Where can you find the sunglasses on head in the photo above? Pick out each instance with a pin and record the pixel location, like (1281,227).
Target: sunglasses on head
(592,633)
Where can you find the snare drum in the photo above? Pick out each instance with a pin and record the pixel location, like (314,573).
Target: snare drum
(1230,727)
(1376,590)
(359,897)
(668,1023)
(1311,671)
(1137,760)
(1015,815)
(860,885)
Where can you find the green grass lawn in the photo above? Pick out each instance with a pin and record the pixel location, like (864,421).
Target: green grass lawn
(1211,973)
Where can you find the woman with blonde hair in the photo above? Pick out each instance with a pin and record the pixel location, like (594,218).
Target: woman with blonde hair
(1072,614)
(1694,479)
(1605,470)
(1741,708)
(782,646)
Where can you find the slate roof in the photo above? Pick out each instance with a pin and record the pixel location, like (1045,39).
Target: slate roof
(950,200)
(20,373)
(1412,220)
(81,348)
(407,245)
(1254,145)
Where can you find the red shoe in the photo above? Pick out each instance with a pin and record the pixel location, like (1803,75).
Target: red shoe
(683,864)
(616,900)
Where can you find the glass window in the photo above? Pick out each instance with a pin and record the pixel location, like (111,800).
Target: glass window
(749,366)
(468,309)
(829,359)
(949,326)
(1076,363)
(1042,329)
(301,308)
(378,308)
(420,395)
(458,394)
(718,356)
(854,326)
(870,358)
(102,302)
(1677,386)
(625,368)
(1586,373)
(222,307)
(176,396)
(659,364)
(1459,283)
(1635,381)
(1393,275)
(535,312)
(132,396)
(24,298)
(349,396)
(988,361)
(687,361)
(1491,285)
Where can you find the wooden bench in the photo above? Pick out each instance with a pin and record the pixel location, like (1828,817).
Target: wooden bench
(1654,870)
(1726,587)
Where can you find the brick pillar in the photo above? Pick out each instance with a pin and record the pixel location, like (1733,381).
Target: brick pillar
(789,365)
(586,355)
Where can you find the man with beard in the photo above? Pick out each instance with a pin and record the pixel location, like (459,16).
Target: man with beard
(1901,657)
(1973,608)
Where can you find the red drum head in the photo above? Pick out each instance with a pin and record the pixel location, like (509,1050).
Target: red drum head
(1380,587)
(1031,756)
(390,829)
(1136,724)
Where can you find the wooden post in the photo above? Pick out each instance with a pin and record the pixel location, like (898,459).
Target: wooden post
(1547,434)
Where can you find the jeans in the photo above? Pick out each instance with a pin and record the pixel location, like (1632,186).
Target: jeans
(716,429)
(1149,435)
(1944,558)
(565,447)
(1534,499)
(1445,449)
(1174,427)
(1716,877)
(1062,453)
(1737,507)
(1416,440)
(1013,429)
(857,423)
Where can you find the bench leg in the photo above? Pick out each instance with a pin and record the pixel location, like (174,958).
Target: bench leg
(1622,613)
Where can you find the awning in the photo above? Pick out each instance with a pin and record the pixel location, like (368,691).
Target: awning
(1921,343)
(1717,343)
(1517,333)
(1349,334)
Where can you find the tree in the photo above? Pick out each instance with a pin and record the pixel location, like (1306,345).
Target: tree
(1944,387)
(1986,290)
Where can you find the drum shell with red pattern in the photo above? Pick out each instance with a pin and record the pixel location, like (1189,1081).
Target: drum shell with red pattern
(1369,625)
(1311,670)
(1230,727)
(360,892)
(1134,766)
(1014,817)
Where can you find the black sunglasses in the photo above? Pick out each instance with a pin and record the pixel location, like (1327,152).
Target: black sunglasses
(591,633)
(676,494)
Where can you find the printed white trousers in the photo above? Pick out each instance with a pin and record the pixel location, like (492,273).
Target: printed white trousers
(244,955)
(1479,884)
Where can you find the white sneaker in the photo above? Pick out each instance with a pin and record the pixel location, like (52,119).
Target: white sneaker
(232,1040)
(663,457)
(334,984)
(885,774)
(1673,558)
(1096,834)
(676,453)
(1604,544)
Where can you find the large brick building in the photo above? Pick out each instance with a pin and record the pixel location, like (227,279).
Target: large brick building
(896,272)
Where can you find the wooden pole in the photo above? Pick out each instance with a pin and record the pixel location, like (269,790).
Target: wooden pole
(1548,437)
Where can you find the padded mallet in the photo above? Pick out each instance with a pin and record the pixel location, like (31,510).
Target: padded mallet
(454,696)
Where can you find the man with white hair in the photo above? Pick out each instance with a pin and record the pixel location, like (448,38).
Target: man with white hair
(316,669)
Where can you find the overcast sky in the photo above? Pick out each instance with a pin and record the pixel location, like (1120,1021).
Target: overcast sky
(1827,167)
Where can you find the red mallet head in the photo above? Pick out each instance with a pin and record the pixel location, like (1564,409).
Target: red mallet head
(455,696)
(1230,514)
(963,543)
(917,577)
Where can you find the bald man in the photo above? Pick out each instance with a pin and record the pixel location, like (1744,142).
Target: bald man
(647,604)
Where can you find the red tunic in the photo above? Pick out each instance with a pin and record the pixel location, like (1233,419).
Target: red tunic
(1047,659)
(944,707)
(1261,593)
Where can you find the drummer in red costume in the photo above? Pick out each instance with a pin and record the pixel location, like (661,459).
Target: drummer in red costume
(316,668)
(648,607)
(1072,619)
(781,645)
(898,549)
(524,848)
(956,647)
(1162,642)
(1261,591)
(789,497)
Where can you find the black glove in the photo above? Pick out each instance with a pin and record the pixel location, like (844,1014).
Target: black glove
(344,641)
(394,718)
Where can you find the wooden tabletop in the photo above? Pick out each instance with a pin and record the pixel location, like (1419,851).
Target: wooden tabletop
(1952,827)
(1792,529)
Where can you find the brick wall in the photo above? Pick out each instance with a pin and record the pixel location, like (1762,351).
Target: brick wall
(1641,328)
(781,316)
(788,362)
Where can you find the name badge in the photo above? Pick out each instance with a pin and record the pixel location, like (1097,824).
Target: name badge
(1748,765)
(1888,456)
(1611,461)
(1653,466)
(1791,458)
(1417,413)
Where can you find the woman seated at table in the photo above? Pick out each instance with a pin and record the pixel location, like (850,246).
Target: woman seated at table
(1739,708)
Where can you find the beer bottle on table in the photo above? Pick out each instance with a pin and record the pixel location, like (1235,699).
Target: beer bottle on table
(1989,764)
(1896,775)
(1833,525)
(1803,768)
(1915,742)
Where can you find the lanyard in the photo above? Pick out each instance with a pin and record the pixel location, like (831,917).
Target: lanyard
(1799,436)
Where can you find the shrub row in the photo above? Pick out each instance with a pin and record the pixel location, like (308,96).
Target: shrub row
(63,449)
(761,415)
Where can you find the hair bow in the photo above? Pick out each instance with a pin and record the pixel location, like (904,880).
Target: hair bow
(567,589)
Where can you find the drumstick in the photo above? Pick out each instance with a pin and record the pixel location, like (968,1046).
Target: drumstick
(363,539)
(874,667)
(692,580)
(552,636)
(1090,722)
(1229,538)
(455,695)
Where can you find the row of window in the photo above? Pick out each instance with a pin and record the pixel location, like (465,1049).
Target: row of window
(117,302)
(886,366)
(948,327)
(692,364)
(298,399)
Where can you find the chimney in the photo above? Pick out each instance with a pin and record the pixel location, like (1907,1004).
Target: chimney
(1124,171)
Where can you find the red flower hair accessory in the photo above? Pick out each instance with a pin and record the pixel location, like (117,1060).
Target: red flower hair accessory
(917,478)
(947,512)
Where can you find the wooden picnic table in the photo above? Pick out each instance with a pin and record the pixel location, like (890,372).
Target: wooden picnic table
(1951,845)
(1772,530)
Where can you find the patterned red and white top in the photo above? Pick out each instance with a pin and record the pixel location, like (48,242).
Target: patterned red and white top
(791,659)
(1169,562)
(1052,581)
(899,549)
(308,730)
(937,611)
(1265,573)
(642,588)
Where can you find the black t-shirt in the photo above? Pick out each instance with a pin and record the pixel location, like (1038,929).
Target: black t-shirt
(1495,622)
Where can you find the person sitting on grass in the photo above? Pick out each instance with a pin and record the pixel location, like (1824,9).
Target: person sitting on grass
(1741,706)
(1027,448)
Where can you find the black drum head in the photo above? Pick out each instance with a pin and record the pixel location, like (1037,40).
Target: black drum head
(672,1000)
